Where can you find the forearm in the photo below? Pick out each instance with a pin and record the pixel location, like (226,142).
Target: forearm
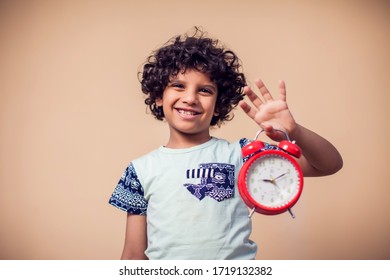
(135,238)
(126,255)
(319,156)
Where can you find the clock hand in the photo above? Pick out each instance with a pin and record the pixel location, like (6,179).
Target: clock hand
(272,181)
(280,176)
(268,180)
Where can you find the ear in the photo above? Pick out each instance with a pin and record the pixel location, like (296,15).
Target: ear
(159,102)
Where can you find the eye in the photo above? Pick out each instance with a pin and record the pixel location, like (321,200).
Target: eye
(177,85)
(206,91)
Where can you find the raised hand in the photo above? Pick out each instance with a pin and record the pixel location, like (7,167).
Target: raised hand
(269,113)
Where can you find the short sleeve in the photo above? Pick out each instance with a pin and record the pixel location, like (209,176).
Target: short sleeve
(267,146)
(243,142)
(129,194)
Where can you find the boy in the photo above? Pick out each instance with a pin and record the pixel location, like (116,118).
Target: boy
(181,199)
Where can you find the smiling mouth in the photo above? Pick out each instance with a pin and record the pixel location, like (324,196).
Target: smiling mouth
(187,113)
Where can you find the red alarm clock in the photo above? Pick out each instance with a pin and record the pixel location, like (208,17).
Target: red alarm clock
(270,181)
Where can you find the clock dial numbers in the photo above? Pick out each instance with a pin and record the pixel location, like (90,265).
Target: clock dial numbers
(272,180)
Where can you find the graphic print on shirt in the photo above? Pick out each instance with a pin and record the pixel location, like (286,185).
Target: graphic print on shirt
(216,181)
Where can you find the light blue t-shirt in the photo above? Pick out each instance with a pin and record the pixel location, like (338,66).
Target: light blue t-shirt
(190,197)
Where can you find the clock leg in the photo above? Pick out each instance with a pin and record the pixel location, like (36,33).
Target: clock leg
(291,213)
(251,213)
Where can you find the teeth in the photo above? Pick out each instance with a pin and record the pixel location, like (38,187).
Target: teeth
(189,113)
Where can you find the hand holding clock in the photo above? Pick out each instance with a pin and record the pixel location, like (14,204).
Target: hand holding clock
(315,157)
(319,156)
(269,113)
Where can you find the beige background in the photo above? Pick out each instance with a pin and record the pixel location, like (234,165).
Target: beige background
(72,117)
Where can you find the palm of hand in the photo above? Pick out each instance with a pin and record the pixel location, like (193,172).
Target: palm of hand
(269,113)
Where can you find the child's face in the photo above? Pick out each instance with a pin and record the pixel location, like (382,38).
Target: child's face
(189,102)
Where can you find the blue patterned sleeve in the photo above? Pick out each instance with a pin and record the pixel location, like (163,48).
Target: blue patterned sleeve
(245,141)
(129,194)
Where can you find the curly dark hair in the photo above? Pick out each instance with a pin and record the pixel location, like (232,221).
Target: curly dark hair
(200,53)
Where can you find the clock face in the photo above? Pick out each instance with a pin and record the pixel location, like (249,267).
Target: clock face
(274,181)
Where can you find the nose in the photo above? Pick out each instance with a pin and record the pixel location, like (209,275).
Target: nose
(190,96)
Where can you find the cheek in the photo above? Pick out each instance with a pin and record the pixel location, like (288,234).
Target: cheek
(211,108)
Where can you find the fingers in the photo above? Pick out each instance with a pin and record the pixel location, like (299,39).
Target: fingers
(282,90)
(272,132)
(257,101)
(272,115)
(263,90)
(254,98)
(251,112)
